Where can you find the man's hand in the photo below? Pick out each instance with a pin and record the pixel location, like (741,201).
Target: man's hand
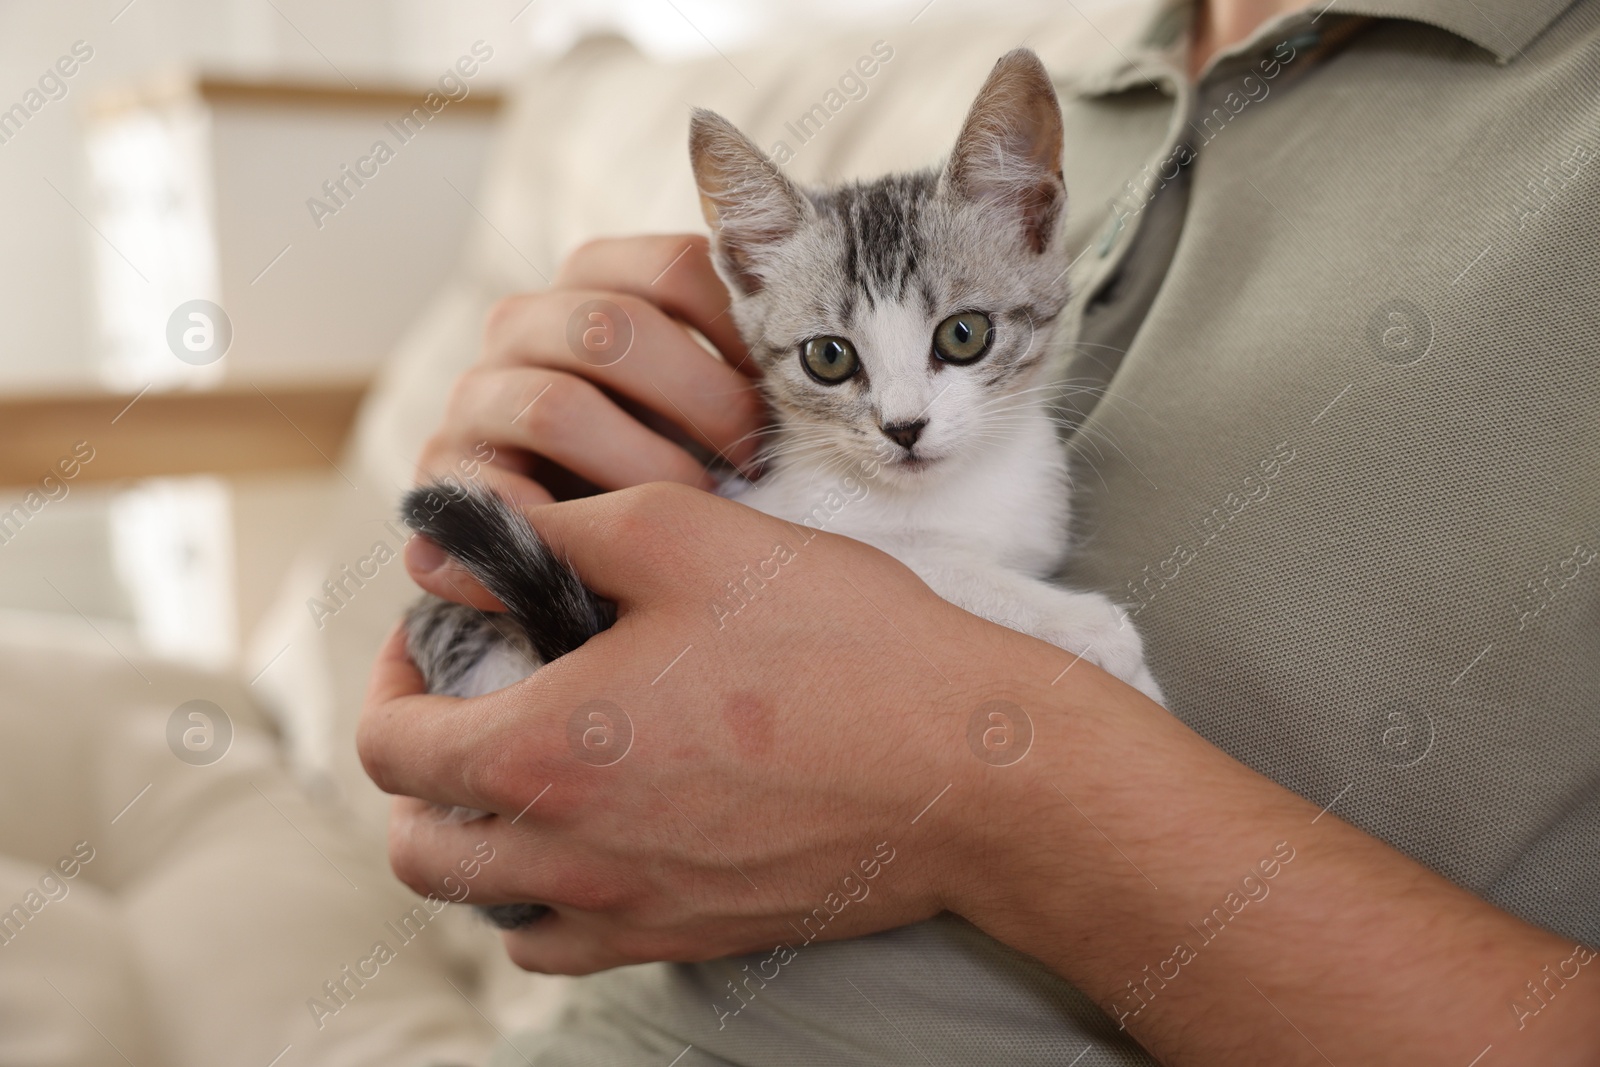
(563,422)
(768,754)
(768,717)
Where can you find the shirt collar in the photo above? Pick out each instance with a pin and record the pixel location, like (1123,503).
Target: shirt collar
(1504,27)
(1143,47)
(1148,48)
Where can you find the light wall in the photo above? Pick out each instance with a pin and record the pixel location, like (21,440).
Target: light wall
(48,331)
(48,325)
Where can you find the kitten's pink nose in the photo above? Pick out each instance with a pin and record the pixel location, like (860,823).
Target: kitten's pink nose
(904,434)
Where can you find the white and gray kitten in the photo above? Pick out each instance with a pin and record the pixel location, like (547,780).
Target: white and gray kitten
(902,327)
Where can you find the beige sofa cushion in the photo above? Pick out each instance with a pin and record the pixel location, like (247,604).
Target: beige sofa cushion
(208,903)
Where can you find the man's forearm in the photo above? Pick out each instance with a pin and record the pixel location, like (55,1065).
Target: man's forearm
(1222,919)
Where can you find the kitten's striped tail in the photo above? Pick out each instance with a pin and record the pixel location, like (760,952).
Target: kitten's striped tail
(543,595)
(466,652)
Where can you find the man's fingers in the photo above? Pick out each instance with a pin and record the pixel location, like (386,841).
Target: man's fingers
(553,946)
(571,422)
(572,941)
(394,676)
(509,859)
(438,748)
(529,864)
(568,942)
(663,369)
(627,545)
(433,569)
(446,460)
(672,271)
(428,564)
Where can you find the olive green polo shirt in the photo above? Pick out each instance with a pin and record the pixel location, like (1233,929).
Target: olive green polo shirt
(1336,415)
(1346,475)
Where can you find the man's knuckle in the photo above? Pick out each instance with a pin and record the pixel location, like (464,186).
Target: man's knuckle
(503,319)
(456,398)
(661,498)
(674,508)
(404,859)
(566,393)
(680,281)
(631,521)
(408,872)
(591,252)
(655,522)
(466,394)
(698,246)
(635,309)
(374,755)
(545,414)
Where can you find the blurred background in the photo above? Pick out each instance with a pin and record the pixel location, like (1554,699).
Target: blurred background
(184,158)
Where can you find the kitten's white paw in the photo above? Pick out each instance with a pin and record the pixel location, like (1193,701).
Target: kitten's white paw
(1096,629)
(1146,683)
(1086,624)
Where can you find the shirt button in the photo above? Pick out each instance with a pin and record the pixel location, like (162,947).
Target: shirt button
(1110,239)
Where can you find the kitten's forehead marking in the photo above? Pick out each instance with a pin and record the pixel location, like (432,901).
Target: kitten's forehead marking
(879,224)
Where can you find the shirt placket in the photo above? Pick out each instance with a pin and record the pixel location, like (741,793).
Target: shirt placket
(1107,257)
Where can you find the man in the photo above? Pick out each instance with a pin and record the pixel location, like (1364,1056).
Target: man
(1342,314)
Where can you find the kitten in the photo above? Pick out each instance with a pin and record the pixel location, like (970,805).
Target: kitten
(903,327)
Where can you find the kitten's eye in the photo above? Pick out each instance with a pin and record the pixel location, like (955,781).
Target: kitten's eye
(963,338)
(830,360)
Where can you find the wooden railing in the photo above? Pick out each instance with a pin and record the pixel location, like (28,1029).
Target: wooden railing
(233,430)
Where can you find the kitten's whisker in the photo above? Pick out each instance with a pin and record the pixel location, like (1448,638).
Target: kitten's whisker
(1099,360)
(1119,450)
(762,431)
(1067,389)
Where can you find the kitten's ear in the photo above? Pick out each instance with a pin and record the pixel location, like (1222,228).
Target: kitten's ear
(1009,151)
(748,203)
